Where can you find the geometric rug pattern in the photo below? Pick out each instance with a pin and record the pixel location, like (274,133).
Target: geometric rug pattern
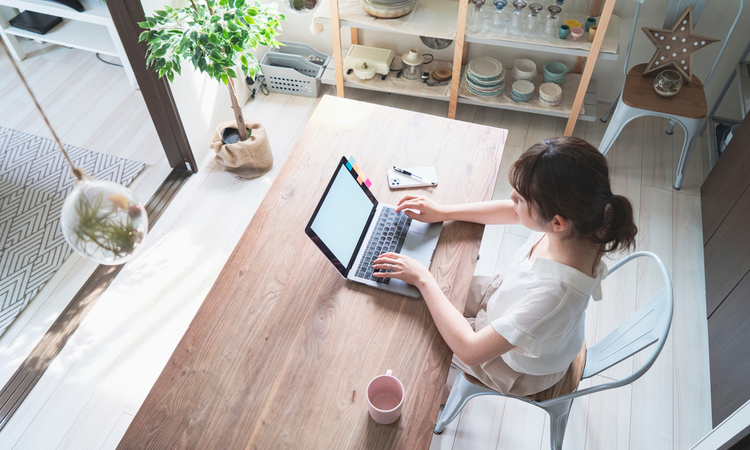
(34,181)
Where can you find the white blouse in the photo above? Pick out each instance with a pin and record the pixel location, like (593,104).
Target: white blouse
(540,308)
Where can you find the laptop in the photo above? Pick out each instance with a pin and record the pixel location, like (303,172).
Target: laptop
(352,230)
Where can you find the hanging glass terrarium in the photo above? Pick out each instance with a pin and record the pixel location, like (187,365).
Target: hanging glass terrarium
(103,221)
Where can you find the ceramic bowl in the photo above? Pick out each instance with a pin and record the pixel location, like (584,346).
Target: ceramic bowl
(524,68)
(555,69)
(572,23)
(576,33)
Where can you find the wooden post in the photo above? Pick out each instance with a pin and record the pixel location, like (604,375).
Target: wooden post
(355,36)
(458,57)
(338,59)
(609,6)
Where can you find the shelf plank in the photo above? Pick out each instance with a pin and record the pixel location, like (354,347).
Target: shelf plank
(378,85)
(609,50)
(438,19)
(75,34)
(95,11)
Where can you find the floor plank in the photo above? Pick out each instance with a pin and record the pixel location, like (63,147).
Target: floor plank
(692,413)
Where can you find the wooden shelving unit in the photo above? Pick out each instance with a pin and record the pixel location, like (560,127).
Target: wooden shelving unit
(91,30)
(447,19)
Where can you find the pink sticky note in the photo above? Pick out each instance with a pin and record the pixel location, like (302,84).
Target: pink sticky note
(368,183)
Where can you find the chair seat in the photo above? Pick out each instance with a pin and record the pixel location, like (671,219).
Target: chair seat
(639,93)
(567,384)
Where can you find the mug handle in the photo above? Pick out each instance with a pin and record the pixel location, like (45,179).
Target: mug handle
(389,372)
(432,58)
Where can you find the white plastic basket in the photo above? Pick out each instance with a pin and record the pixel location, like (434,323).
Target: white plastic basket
(291,74)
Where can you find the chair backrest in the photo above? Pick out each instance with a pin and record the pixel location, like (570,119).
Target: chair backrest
(677,7)
(674,11)
(647,327)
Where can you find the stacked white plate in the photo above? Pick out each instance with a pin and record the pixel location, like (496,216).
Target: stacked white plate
(550,94)
(522,90)
(524,69)
(485,77)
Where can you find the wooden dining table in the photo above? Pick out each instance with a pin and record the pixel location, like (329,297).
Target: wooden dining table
(280,352)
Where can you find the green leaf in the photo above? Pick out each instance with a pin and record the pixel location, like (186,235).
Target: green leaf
(243,59)
(170,75)
(225,78)
(231,73)
(143,25)
(160,13)
(239,3)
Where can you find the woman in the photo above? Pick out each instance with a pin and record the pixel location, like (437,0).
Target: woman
(537,309)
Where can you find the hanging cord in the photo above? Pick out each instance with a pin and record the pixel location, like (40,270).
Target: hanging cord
(77,172)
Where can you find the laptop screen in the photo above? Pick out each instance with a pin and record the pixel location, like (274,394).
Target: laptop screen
(341,217)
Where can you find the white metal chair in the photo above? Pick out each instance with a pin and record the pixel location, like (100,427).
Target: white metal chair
(688,107)
(647,326)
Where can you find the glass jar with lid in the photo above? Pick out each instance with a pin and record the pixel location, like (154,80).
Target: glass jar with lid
(533,26)
(553,21)
(517,18)
(476,20)
(499,17)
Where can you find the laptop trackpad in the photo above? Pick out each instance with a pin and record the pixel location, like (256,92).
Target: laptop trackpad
(430,229)
(419,247)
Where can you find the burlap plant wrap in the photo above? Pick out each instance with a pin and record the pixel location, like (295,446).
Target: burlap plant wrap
(246,159)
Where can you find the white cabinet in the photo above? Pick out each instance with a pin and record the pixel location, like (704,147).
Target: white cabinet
(91,30)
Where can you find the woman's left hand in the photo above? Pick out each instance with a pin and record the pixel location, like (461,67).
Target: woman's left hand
(401,267)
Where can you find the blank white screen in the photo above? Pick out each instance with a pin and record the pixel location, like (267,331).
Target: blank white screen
(342,216)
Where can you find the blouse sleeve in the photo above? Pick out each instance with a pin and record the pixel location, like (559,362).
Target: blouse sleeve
(523,325)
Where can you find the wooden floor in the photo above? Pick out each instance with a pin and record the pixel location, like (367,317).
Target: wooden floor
(91,392)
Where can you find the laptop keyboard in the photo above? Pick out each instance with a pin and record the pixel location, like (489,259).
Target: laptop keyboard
(388,236)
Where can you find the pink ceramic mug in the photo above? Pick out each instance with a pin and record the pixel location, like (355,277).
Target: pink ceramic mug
(385,395)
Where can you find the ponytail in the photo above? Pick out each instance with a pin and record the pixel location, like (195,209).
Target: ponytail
(618,230)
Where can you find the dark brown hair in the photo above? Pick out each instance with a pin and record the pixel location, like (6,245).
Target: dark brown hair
(567,176)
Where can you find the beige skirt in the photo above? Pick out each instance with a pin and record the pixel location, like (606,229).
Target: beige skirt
(495,373)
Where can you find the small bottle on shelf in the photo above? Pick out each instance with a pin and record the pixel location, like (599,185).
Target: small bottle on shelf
(517,18)
(499,17)
(533,21)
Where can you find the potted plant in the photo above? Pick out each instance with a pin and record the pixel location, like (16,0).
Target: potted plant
(216,36)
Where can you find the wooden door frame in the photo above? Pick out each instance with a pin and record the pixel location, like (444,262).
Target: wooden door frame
(156,92)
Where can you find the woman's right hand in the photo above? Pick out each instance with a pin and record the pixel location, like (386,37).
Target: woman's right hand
(427,210)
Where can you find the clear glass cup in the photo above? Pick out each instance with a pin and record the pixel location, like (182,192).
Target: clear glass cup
(553,21)
(517,18)
(533,25)
(499,17)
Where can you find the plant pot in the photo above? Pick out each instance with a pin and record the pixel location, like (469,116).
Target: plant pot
(246,159)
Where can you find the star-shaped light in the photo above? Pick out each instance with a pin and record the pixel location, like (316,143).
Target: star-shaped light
(676,46)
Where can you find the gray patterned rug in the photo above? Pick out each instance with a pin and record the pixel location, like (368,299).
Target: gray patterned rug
(34,180)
